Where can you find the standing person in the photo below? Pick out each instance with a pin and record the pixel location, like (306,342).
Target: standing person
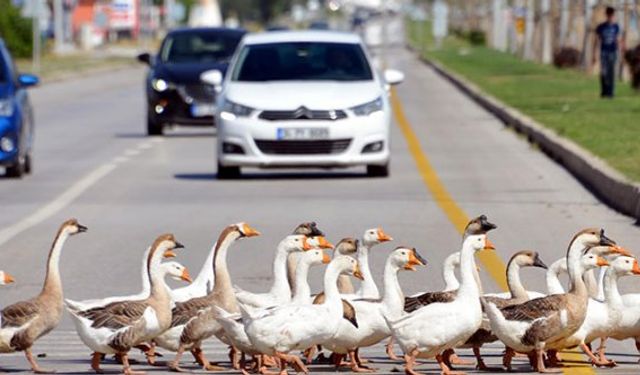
(608,38)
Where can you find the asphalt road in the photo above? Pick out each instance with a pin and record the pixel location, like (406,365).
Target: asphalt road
(93,162)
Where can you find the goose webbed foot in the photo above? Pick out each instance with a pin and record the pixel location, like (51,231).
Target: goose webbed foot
(269,361)
(444,368)
(355,364)
(126,366)
(34,365)
(409,362)
(265,371)
(602,355)
(293,360)
(540,367)
(553,358)
(450,358)
(96,358)
(308,354)
(389,350)
(507,357)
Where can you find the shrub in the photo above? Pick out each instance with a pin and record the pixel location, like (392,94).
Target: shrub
(477,37)
(633,59)
(566,57)
(15,30)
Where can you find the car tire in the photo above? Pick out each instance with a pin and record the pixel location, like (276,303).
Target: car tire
(228,173)
(16,170)
(154,127)
(28,164)
(378,170)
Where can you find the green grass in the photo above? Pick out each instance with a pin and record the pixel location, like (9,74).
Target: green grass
(566,101)
(55,67)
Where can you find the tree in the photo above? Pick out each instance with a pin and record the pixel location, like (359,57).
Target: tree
(15,30)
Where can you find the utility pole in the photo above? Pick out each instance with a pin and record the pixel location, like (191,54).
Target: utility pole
(586,46)
(528,30)
(564,22)
(35,58)
(58,28)
(546,31)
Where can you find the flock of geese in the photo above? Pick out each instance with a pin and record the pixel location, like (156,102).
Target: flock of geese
(273,327)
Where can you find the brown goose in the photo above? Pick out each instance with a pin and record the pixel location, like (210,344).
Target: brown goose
(22,323)
(532,325)
(117,327)
(309,229)
(193,320)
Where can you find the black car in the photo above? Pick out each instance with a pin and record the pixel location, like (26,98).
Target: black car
(175,94)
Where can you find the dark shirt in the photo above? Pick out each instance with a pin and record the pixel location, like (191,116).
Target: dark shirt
(608,33)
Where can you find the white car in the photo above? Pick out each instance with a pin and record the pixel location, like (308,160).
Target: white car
(302,99)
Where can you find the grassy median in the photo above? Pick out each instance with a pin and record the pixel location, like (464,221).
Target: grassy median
(566,101)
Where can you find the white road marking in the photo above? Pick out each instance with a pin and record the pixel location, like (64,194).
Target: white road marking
(131,152)
(57,204)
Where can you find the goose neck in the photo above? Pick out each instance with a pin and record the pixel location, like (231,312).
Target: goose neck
(369,288)
(221,272)
(611,293)
(576,270)
(449,276)
(591,283)
(205,276)
(393,298)
(52,281)
(332,295)
(302,290)
(280,285)
(516,288)
(469,283)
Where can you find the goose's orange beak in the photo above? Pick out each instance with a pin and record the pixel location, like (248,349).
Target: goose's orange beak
(620,250)
(488,245)
(185,276)
(357,273)
(383,237)
(248,231)
(323,243)
(325,258)
(8,279)
(602,262)
(413,261)
(636,268)
(169,254)
(305,244)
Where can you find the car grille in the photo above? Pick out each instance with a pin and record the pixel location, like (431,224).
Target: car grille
(335,146)
(197,92)
(302,113)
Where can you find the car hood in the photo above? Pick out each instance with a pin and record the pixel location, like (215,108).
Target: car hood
(5,90)
(313,95)
(186,73)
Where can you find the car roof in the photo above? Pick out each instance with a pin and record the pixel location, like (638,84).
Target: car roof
(302,36)
(196,30)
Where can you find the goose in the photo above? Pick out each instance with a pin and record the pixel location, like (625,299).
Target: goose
(371,313)
(346,247)
(232,323)
(5,278)
(536,323)
(119,326)
(603,318)
(517,294)
(370,238)
(298,326)
(309,229)
(201,285)
(22,323)
(193,320)
(280,291)
(434,328)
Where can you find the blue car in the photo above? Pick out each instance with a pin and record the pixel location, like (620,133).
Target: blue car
(16,117)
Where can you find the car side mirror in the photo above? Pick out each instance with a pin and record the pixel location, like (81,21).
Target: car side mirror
(28,80)
(212,77)
(393,77)
(144,58)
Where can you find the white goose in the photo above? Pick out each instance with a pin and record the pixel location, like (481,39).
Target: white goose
(119,326)
(280,291)
(540,322)
(371,313)
(298,326)
(370,238)
(201,285)
(5,278)
(432,329)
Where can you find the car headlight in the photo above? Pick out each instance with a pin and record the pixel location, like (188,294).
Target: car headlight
(6,107)
(159,84)
(231,110)
(368,108)
(7,144)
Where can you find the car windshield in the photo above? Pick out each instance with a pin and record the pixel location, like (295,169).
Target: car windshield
(198,47)
(317,61)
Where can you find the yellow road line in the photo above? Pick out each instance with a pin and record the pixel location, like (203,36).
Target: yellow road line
(490,259)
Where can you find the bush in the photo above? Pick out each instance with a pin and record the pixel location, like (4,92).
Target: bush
(633,59)
(477,37)
(566,57)
(15,30)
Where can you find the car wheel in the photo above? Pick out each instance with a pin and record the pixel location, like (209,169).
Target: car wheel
(16,170)
(153,126)
(378,170)
(227,173)
(28,164)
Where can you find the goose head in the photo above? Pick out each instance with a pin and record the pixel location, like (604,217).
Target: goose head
(176,271)
(166,243)
(295,242)
(528,258)
(625,266)
(72,227)
(5,278)
(309,229)
(315,257)
(407,258)
(246,230)
(347,266)
(479,242)
(479,225)
(346,246)
(319,242)
(375,236)
(590,261)
(594,239)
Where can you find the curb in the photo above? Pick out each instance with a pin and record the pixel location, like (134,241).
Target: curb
(609,185)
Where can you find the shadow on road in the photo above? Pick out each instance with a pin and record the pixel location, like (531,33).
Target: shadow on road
(166,135)
(275,176)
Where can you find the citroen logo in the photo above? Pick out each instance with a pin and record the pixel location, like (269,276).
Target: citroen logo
(303,113)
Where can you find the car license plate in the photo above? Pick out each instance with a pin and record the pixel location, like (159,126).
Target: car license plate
(302,133)
(201,110)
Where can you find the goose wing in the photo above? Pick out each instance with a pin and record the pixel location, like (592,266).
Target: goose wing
(184,311)
(348,311)
(19,314)
(424,299)
(537,308)
(115,315)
